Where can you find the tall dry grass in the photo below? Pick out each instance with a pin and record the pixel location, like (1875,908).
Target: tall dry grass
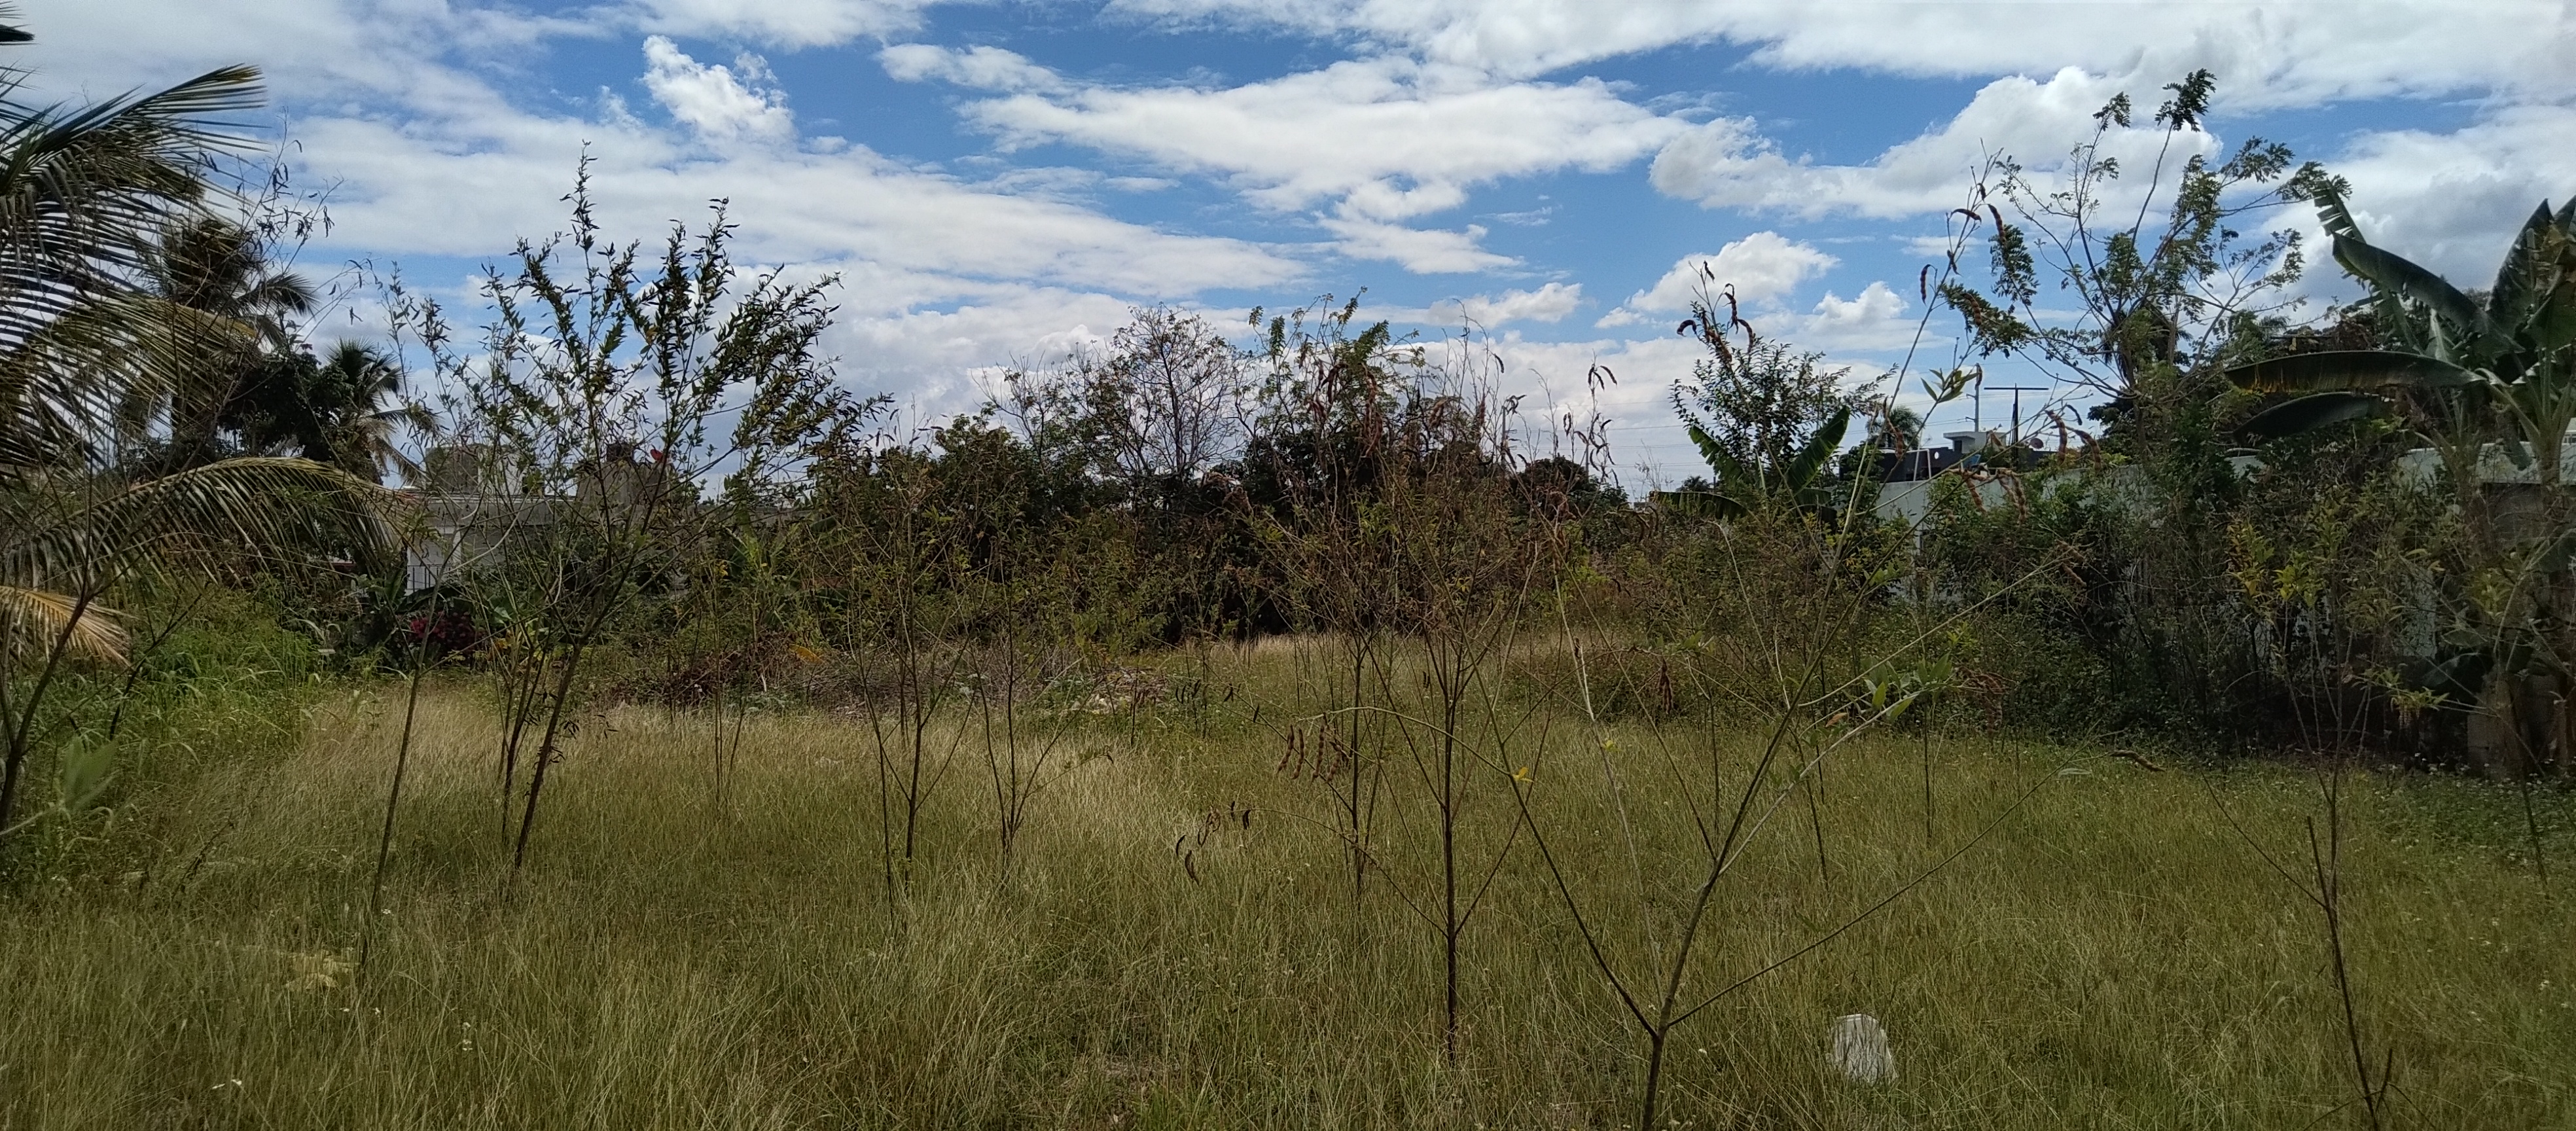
(2114,955)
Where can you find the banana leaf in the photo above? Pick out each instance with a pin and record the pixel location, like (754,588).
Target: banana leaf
(2314,411)
(2343,370)
(1727,467)
(1820,447)
(2390,272)
(2550,323)
(2529,273)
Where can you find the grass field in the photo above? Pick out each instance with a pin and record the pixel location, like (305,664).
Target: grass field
(1175,943)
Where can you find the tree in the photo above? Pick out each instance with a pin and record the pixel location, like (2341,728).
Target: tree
(85,193)
(599,395)
(2136,284)
(2157,297)
(356,398)
(2470,377)
(1898,429)
(2466,372)
(86,197)
(345,410)
(252,377)
(1766,418)
(1160,408)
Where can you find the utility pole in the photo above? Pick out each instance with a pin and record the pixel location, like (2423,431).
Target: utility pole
(2017,391)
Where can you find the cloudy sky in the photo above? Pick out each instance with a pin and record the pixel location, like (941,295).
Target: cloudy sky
(998,181)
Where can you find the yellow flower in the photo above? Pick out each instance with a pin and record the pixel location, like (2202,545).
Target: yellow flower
(1521,775)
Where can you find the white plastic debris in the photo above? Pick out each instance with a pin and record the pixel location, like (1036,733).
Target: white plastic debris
(1860,1049)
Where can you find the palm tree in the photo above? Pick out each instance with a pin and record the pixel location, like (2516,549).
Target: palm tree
(84,194)
(216,267)
(87,197)
(1896,429)
(357,398)
(344,410)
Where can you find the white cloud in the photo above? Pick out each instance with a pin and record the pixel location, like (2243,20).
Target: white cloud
(786,23)
(1727,163)
(713,100)
(469,188)
(1646,438)
(1761,267)
(2273,52)
(1872,320)
(2282,52)
(1422,251)
(2451,201)
(1390,138)
(933,357)
(306,49)
(1378,141)
(939,275)
(1549,303)
(2456,196)
(1875,319)
(1553,379)
(984,68)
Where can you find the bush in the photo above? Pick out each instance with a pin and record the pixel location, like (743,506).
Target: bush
(215,679)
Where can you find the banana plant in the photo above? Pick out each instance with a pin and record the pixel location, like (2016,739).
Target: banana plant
(2497,371)
(1743,486)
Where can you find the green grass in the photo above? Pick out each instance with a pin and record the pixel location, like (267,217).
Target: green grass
(2111,954)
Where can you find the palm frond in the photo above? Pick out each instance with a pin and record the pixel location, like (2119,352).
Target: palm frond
(85,193)
(255,503)
(74,367)
(88,187)
(33,621)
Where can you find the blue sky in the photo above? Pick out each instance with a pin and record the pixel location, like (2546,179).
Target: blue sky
(997,182)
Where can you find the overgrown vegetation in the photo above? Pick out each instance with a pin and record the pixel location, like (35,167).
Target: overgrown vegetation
(2105,957)
(1207,735)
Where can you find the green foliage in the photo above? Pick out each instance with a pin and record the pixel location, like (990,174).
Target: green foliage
(2501,369)
(1764,416)
(2166,286)
(591,418)
(127,314)
(2293,596)
(213,679)
(248,384)
(2468,376)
